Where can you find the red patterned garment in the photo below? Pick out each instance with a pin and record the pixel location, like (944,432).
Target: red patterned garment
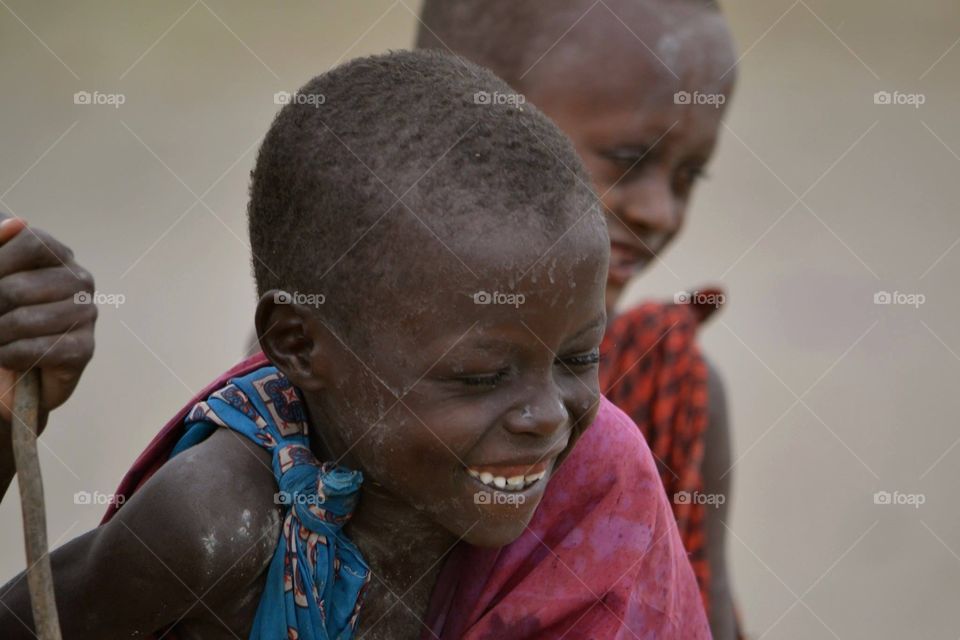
(652,368)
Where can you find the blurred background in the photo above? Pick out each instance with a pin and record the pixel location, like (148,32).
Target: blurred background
(818,199)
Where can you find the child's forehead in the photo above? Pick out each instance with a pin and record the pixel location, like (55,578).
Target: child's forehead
(506,252)
(649,43)
(536,287)
(439,265)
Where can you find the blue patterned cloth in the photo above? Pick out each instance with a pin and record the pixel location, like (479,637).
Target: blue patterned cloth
(317,577)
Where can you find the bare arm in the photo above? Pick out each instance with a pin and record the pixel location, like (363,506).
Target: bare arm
(192,541)
(716,479)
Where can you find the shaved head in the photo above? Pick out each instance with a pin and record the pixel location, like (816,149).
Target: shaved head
(525,41)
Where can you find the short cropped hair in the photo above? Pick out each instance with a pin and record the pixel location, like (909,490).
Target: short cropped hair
(418,136)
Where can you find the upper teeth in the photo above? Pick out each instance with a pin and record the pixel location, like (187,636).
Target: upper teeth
(513,483)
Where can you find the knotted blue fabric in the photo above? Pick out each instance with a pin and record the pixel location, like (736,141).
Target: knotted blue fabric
(317,577)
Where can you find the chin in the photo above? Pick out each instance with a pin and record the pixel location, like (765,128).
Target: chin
(498,525)
(495,536)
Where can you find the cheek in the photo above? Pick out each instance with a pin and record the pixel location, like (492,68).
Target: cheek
(368,424)
(583,400)
(413,454)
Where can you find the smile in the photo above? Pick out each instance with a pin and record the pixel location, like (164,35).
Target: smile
(515,478)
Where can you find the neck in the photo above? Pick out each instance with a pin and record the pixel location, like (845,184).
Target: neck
(403,546)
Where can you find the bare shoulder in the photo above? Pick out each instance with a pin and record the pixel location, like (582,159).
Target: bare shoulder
(208,518)
(210,512)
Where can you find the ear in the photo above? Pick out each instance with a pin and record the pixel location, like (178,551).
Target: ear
(288,338)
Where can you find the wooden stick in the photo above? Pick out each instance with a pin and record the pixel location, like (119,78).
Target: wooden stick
(26,400)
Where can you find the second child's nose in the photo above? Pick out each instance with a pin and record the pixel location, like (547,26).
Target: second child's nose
(651,207)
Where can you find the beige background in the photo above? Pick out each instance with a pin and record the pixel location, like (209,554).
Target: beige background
(818,199)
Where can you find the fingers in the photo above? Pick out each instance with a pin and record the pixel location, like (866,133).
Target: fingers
(10,227)
(61,360)
(65,353)
(41,286)
(30,248)
(48,319)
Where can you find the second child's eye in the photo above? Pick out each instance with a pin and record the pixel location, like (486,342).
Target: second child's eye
(628,159)
(583,360)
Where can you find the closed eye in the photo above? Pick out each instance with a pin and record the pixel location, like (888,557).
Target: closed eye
(628,159)
(486,380)
(582,360)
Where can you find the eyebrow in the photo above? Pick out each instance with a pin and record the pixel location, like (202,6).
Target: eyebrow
(599,320)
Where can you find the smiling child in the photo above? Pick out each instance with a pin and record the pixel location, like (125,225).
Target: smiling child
(640,87)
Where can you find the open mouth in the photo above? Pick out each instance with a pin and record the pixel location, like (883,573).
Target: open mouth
(512,478)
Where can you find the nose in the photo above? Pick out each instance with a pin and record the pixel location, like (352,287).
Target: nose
(543,413)
(649,206)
